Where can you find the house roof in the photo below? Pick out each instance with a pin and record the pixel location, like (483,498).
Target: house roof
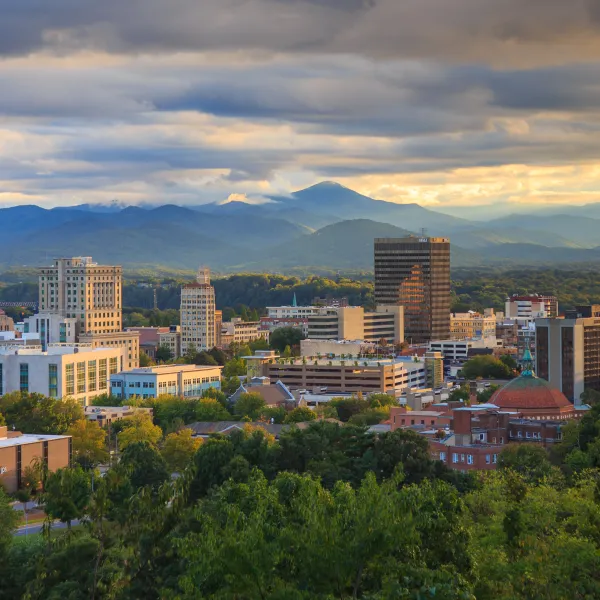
(203,428)
(273,394)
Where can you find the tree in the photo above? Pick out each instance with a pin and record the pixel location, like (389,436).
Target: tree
(145,464)
(236,367)
(381,400)
(509,361)
(204,358)
(300,415)
(590,396)
(528,460)
(66,494)
(487,367)
(285,336)
(486,394)
(459,394)
(88,443)
(218,355)
(287,353)
(145,360)
(210,460)
(210,409)
(163,354)
(8,521)
(249,404)
(35,413)
(139,428)
(347,407)
(179,448)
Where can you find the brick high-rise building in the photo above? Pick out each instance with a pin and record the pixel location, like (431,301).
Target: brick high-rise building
(198,314)
(415,273)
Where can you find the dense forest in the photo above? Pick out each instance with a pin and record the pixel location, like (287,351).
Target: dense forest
(325,512)
(471,288)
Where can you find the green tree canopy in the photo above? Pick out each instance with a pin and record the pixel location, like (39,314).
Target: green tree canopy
(145,464)
(179,448)
(285,336)
(300,415)
(66,494)
(487,367)
(249,404)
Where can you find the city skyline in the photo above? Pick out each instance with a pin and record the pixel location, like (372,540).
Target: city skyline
(440,103)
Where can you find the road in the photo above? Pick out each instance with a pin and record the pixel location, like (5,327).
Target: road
(37,527)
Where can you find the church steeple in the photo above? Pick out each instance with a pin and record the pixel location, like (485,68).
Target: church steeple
(294,301)
(527,363)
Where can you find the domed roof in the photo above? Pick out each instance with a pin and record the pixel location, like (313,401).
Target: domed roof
(529,392)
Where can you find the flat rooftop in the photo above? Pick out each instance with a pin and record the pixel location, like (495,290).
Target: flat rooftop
(29,438)
(167,369)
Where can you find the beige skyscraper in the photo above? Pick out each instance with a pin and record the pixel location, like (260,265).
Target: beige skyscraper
(81,289)
(198,313)
(78,293)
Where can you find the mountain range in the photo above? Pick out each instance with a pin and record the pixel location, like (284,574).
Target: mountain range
(326,226)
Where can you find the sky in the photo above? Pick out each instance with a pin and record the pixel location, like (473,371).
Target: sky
(448,103)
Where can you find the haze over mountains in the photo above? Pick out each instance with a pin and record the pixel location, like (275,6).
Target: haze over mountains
(324,226)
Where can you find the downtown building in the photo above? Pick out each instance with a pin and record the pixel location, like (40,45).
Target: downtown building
(197,310)
(568,353)
(414,273)
(81,302)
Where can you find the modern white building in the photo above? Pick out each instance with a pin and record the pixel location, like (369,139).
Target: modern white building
(52,328)
(174,380)
(458,350)
(63,370)
(531,307)
(242,332)
(198,314)
(292,312)
(354,323)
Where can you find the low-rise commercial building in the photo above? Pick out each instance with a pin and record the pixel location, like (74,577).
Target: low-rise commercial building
(469,325)
(63,370)
(127,341)
(458,350)
(242,332)
(354,323)
(105,415)
(19,451)
(346,348)
(172,340)
(149,338)
(534,306)
(174,380)
(270,324)
(344,375)
(6,322)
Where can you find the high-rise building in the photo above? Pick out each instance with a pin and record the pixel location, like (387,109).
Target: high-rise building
(415,273)
(198,314)
(535,306)
(80,289)
(83,300)
(568,354)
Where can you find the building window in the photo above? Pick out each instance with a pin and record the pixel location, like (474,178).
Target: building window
(469,459)
(454,458)
(92,376)
(24,377)
(462,458)
(102,374)
(520,434)
(53,381)
(488,459)
(81,378)
(443,456)
(70,380)
(113,366)
(495,458)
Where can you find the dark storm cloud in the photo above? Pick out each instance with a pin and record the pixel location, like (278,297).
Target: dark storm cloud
(447,29)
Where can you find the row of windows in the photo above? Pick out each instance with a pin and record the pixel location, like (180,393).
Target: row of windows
(456,458)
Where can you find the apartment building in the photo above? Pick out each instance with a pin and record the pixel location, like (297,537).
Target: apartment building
(172,340)
(354,323)
(19,451)
(176,380)
(568,354)
(469,325)
(63,370)
(198,314)
(414,273)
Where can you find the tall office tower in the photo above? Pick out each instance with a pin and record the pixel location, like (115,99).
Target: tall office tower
(77,288)
(415,272)
(198,313)
(568,353)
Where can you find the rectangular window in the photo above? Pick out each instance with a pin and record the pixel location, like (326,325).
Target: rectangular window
(495,458)
(462,458)
(454,458)
(69,380)
(113,366)
(488,459)
(469,459)
(443,456)
(81,378)
(520,434)
(102,374)
(24,377)
(528,435)
(53,381)
(92,376)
